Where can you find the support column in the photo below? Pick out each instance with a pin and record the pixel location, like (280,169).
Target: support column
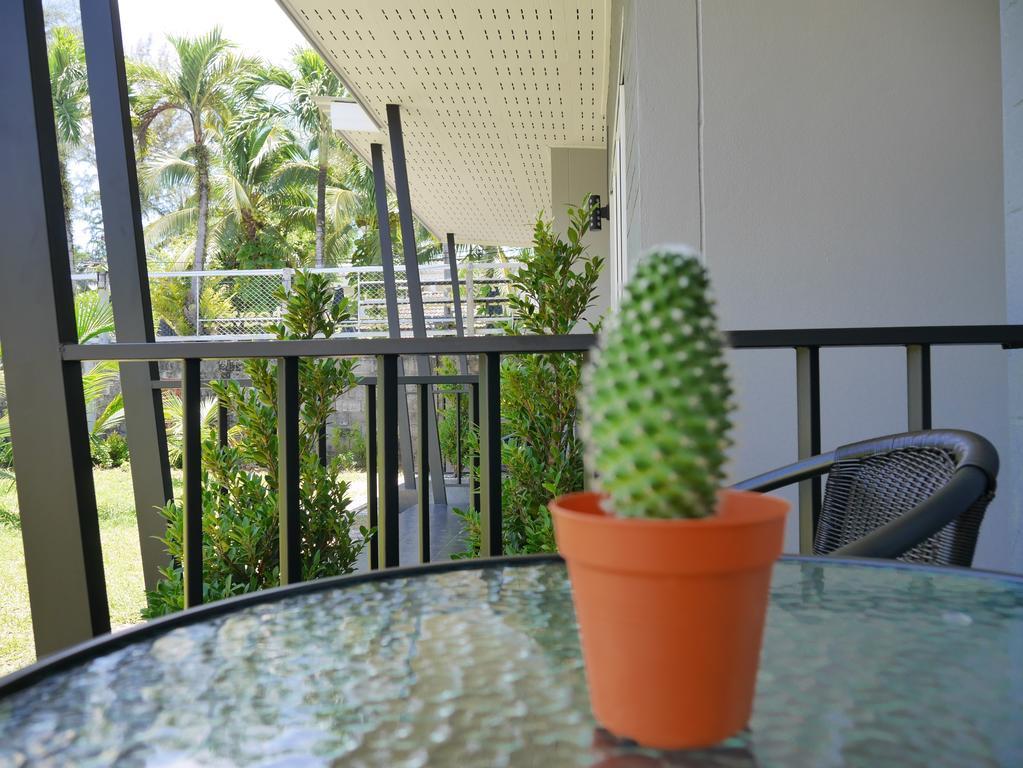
(415,288)
(56,497)
(129,276)
(808,427)
(391,303)
(456,297)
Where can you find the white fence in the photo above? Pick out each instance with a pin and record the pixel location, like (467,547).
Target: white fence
(243,303)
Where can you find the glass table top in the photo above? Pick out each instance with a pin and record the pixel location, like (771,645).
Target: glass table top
(861,666)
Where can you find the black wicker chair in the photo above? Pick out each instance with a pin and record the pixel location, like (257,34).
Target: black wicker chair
(917,496)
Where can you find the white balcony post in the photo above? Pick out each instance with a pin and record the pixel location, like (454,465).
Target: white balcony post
(470,303)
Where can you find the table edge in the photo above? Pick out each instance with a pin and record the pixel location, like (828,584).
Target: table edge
(104,644)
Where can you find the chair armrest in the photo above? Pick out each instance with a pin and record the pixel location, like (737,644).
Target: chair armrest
(966,485)
(792,473)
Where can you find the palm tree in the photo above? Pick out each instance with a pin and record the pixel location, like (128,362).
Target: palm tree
(309,84)
(247,190)
(70,89)
(361,240)
(323,203)
(201,86)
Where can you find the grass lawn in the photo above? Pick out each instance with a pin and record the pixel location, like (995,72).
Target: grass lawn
(121,559)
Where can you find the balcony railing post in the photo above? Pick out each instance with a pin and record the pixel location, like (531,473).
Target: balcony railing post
(918,386)
(808,424)
(371,472)
(221,423)
(387,459)
(191,462)
(222,430)
(490,454)
(288,458)
(423,487)
(321,444)
(197,286)
(470,302)
(458,437)
(474,467)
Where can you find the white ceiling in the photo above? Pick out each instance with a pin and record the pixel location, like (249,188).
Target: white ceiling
(485,92)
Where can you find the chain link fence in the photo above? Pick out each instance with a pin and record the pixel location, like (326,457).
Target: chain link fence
(245,303)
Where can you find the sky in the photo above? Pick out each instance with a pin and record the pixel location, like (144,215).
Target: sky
(258,27)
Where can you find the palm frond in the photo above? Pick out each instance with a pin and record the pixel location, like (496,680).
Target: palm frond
(94,316)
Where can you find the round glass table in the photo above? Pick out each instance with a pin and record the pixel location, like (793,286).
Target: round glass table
(478,664)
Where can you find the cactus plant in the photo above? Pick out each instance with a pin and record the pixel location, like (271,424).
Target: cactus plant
(656,397)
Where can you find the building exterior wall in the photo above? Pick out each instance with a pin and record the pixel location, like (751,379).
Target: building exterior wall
(840,164)
(575,174)
(1012,142)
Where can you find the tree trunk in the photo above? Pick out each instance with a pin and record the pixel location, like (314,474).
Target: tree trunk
(65,188)
(321,194)
(202,167)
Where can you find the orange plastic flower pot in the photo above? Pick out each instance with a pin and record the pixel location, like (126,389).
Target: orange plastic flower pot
(671,614)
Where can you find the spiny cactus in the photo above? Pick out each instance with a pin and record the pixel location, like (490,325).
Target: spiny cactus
(656,397)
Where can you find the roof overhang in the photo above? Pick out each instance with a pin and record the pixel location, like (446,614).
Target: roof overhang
(485,93)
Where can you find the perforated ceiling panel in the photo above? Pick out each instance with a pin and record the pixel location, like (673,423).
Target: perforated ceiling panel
(485,92)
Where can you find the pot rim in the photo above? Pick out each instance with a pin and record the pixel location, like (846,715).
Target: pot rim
(723,517)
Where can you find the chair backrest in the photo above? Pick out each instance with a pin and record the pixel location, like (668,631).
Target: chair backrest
(877,481)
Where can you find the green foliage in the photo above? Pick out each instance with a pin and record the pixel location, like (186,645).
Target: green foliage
(350,447)
(657,398)
(170,299)
(542,453)
(174,420)
(447,415)
(240,523)
(556,285)
(110,452)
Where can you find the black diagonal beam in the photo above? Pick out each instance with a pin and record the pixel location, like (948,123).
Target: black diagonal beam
(129,276)
(415,288)
(456,298)
(391,302)
(49,429)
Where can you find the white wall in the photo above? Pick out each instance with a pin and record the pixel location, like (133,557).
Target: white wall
(576,174)
(1012,142)
(847,173)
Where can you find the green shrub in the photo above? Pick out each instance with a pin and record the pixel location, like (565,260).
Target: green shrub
(240,524)
(350,448)
(541,452)
(109,452)
(447,415)
(170,297)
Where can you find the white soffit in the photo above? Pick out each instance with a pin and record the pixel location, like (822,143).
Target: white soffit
(485,92)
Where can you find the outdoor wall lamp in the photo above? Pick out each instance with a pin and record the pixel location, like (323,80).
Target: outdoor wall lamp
(598,212)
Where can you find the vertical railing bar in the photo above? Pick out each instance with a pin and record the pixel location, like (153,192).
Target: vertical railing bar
(222,431)
(470,302)
(321,444)
(458,437)
(387,459)
(490,455)
(288,457)
(808,423)
(918,386)
(474,469)
(221,423)
(191,447)
(423,479)
(371,473)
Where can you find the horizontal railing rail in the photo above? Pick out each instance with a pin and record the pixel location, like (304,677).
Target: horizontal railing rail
(485,393)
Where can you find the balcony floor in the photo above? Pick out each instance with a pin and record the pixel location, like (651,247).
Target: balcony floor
(445,527)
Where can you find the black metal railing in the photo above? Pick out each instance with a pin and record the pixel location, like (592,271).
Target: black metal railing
(485,393)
